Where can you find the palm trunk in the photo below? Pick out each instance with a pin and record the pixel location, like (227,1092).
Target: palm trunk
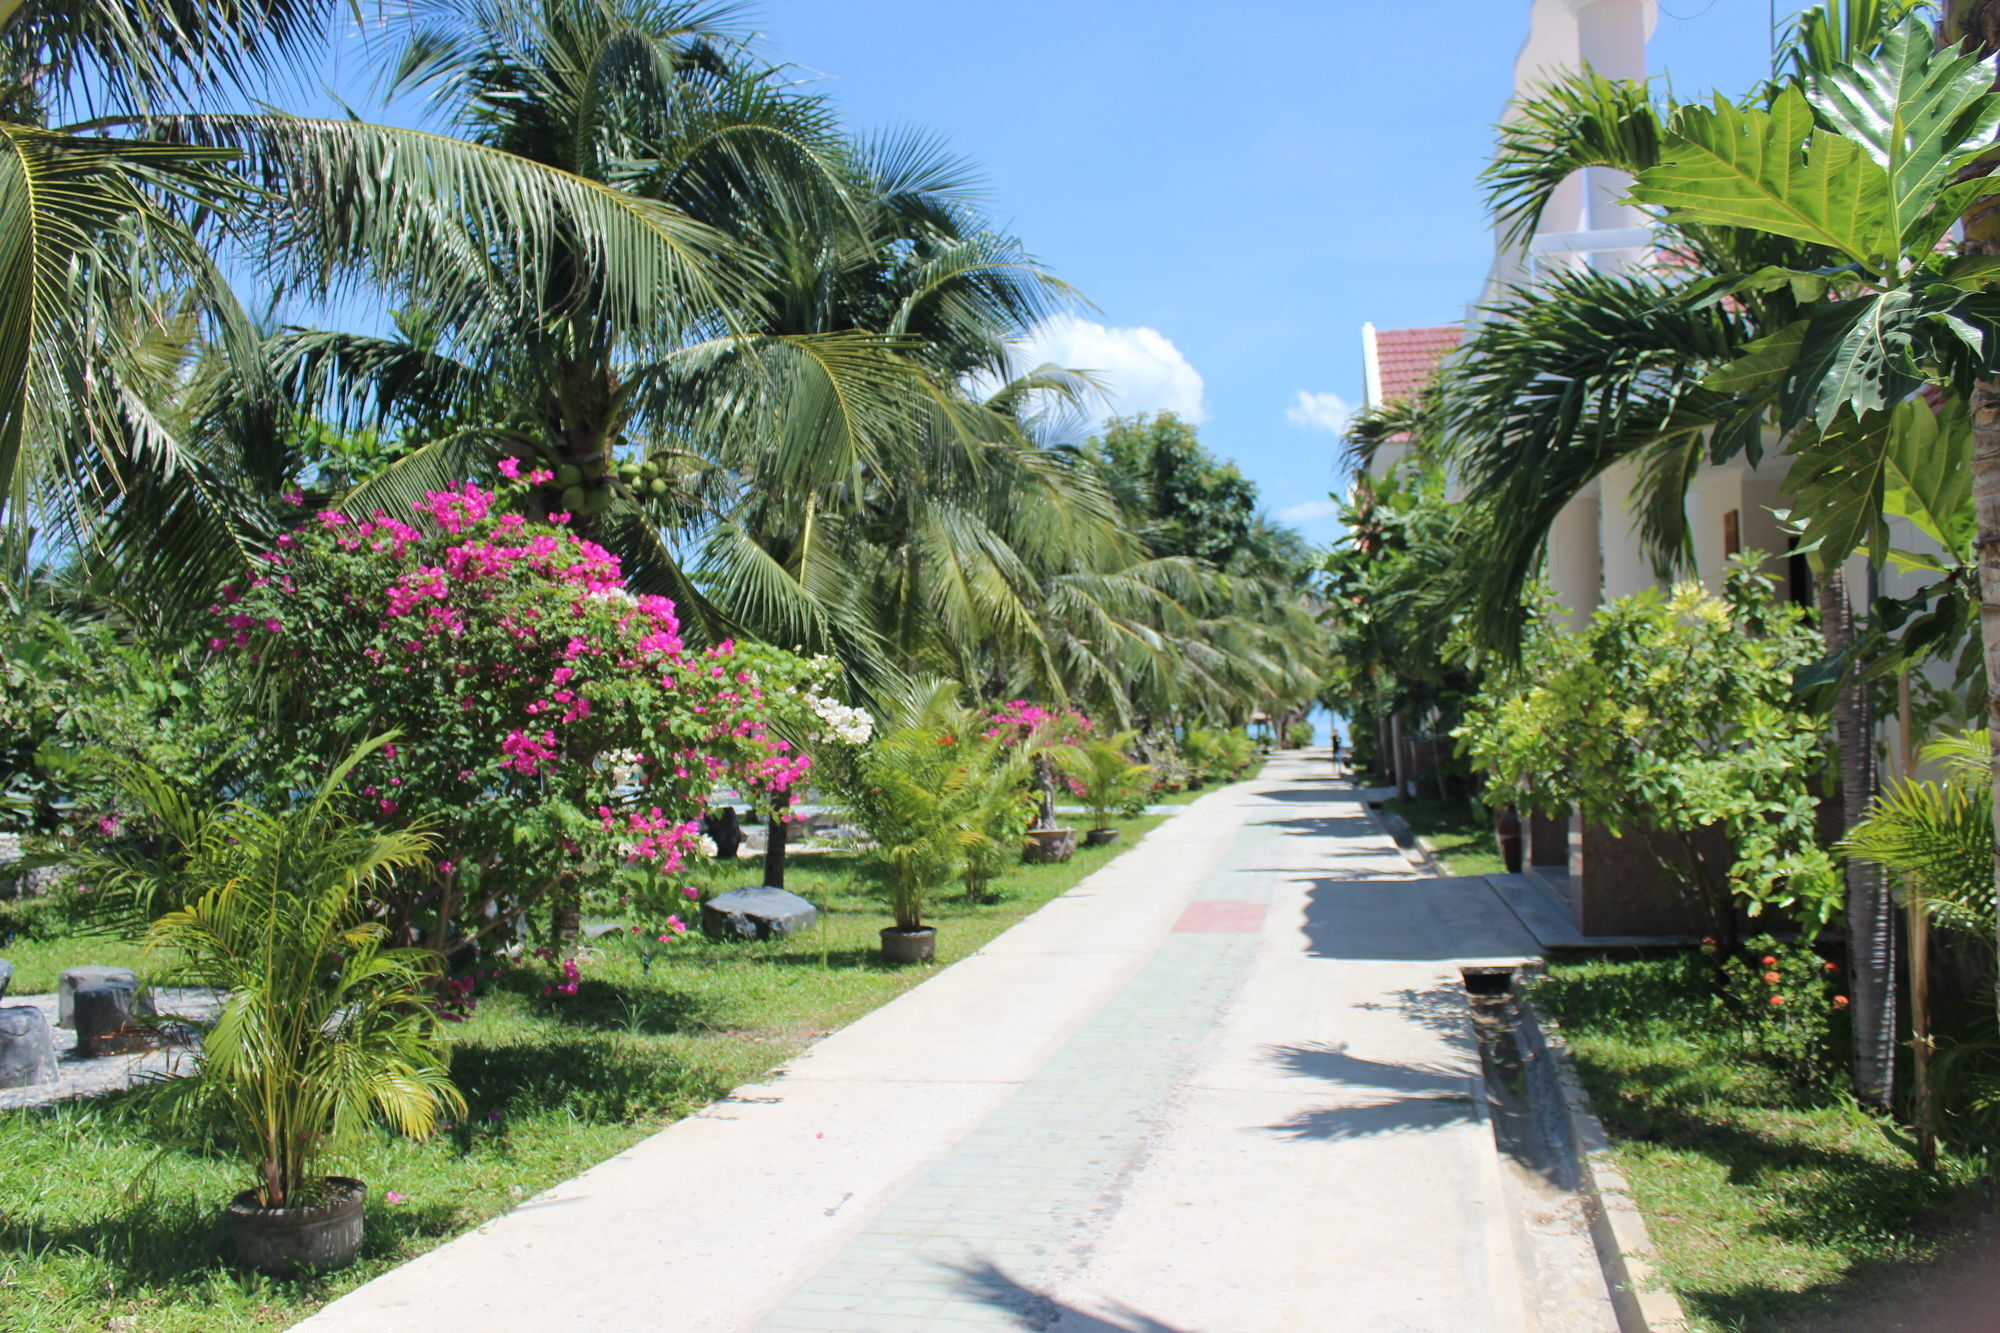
(1977,22)
(1871,925)
(1986,505)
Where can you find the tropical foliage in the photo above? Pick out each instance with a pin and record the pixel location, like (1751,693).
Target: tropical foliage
(1674,713)
(325,1029)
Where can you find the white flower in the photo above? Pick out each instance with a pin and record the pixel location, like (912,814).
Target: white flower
(852,725)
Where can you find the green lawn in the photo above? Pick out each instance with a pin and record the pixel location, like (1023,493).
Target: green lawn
(1460,830)
(97,1224)
(1773,1207)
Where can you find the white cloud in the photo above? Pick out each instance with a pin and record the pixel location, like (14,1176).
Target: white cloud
(1319,411)
(1140,368)
(1309,512)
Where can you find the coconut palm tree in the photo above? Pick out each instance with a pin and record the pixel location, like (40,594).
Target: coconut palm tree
(117,190)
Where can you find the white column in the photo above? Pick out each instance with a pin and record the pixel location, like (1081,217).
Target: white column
(1611,39)
(1627,568)
(1576,569)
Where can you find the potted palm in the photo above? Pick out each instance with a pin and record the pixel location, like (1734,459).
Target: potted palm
(917,794)
(1109,783)
(1000,812)
(322,1030)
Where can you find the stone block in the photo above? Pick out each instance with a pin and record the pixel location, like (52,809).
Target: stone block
(758,913)
(6,977)
(27,1047)
(77,977)
(105,1015)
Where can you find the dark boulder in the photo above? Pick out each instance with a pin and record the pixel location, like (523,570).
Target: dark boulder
(756,914)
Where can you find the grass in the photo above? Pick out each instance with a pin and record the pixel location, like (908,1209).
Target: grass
(97,1224)
(1773,1206)
(1460,831)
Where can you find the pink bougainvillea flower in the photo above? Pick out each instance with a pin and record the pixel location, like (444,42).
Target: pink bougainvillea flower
(394,1197)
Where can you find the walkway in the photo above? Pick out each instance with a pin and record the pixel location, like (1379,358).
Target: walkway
(1227,1085)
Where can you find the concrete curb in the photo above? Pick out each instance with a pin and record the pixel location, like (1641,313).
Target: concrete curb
(1617,1228)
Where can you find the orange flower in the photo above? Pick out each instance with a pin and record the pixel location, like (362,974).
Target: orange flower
(1840,1001)
(1772,978)
(1833,967)
(1770,961)
(1777,999)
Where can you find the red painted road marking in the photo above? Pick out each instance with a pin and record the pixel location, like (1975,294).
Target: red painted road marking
(1221,918)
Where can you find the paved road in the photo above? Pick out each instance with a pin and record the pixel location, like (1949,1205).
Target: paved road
(1227,1085)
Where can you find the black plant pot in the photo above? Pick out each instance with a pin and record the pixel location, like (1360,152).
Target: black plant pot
(917,945)
(1100,837)
(284,1241)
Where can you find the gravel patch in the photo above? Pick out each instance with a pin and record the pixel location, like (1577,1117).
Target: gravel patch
(79,1076)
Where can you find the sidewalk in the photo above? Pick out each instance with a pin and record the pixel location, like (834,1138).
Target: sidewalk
(1226,1085)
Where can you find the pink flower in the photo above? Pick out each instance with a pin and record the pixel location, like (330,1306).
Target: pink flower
(446,867)
(294,497)
(510,468)
(107,825)
(393,1197)
(541,476)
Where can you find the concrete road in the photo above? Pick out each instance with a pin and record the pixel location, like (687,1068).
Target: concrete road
(1226,1085)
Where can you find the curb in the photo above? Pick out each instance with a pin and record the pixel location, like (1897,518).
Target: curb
(1618,1231)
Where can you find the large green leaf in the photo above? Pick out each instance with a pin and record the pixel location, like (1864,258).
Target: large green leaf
(1855,354)
(1836,481)
(1768,171)
(1911,463)
(1762,362)
(1928,473)
(1916,109)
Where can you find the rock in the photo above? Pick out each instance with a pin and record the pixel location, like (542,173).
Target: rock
(6,977)
(103,1014)
(77,977)
(27,1047)
(756,914)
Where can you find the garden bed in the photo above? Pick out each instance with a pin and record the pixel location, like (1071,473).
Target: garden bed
(554,1086)
(1773,1207)
(1459,832)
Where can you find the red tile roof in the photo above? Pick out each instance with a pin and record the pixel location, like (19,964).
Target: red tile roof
(1405,358)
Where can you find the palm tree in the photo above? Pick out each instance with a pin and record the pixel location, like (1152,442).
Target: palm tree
(113,296)
(1580,371)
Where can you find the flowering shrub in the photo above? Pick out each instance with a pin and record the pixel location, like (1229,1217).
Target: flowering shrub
(550,725)
(1787,996)
(1020,723)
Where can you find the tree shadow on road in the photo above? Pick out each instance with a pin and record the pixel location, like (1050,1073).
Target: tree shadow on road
(989,1284)
(1418,1096)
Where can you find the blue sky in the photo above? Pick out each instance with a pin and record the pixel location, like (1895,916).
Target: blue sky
(1235,188)
(1250,182)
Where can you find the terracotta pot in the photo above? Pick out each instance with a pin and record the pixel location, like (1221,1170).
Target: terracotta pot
(1100,837)
(284,1241)
(1047,845)
(909,946)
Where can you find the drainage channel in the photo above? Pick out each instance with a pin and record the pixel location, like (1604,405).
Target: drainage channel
(1564,1281)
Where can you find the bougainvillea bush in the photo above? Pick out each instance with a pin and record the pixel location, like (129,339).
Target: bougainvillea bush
(550,726)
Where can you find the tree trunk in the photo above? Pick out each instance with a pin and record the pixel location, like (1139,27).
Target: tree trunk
(1045,783)
(774,846)
(1871,921)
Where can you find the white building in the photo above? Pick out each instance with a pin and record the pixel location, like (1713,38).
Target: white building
(1595,552)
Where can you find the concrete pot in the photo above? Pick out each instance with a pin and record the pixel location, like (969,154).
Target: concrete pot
(909,946)
(284,1241)
(1100,837)
(1047,845)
